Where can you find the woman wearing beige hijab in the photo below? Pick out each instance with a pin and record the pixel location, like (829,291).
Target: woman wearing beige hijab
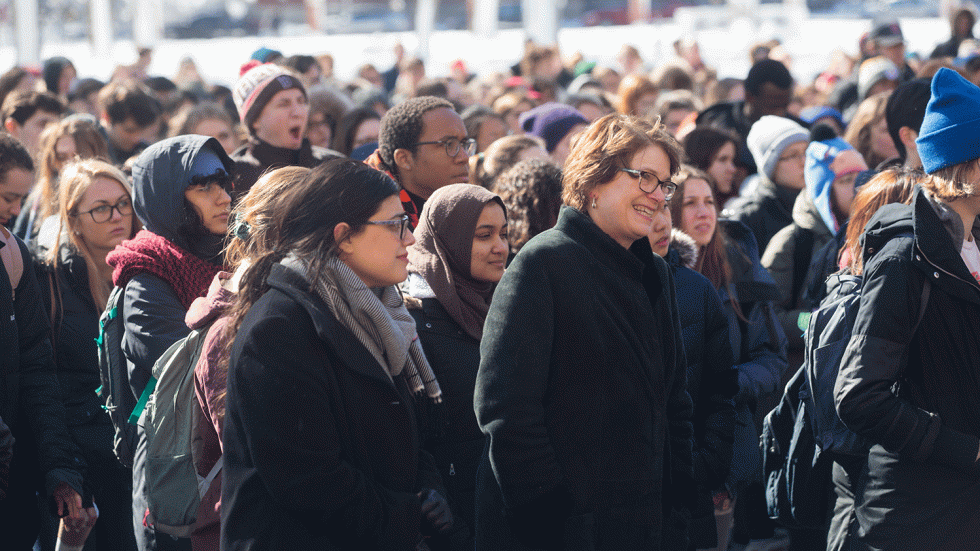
(455,264)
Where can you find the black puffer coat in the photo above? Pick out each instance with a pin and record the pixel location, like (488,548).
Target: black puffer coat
(582,390)
(321,447)
(73,337)
(711,380)
(923,478)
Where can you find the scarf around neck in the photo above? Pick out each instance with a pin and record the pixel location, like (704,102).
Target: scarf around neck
(147,252)
(377,318)
(442,253)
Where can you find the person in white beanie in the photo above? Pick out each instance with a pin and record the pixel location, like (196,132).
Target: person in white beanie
(273,106)
(778,146)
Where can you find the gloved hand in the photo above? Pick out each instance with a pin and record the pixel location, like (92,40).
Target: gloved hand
(436,516)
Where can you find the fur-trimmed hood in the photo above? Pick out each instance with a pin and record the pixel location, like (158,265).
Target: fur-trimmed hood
(683,251)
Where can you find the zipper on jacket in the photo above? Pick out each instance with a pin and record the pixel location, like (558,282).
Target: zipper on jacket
(452,470)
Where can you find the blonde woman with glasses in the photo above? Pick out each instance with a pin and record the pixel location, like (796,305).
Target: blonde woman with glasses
(95,214)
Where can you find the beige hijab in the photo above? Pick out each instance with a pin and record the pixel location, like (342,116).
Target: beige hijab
(442,253)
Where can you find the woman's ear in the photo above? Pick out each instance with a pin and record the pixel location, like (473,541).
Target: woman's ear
(341,236)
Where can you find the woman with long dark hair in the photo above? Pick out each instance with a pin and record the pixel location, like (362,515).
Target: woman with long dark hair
(252,234)
(711,379)
(325,379)
(715,152)
(728,257)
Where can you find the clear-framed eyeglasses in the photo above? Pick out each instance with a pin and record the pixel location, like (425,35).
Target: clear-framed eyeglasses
(453,145)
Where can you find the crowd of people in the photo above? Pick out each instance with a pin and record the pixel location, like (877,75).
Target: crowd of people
(541,309)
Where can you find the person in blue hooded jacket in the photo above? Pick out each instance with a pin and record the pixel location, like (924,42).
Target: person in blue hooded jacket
(180,194)
(821,211)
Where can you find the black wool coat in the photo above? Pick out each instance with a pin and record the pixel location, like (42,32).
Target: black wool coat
(922,487)
(451,433)
(582,392)
(321,446)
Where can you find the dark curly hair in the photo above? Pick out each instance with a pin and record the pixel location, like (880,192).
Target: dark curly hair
(531,191)
(401,127)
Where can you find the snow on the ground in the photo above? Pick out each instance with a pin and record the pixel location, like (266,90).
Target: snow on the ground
(810,44)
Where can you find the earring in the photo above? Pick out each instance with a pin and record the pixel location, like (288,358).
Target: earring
(593,201)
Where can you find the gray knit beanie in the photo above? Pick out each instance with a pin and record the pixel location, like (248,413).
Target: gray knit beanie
(769,136)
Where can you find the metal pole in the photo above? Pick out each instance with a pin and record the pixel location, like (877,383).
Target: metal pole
(485,17)
(425,23)
(28,32)
(540,21)
(100,27)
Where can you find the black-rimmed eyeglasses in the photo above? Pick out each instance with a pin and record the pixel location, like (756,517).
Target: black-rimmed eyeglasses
(453,145)
(649,182)
(401,222)
(103,213)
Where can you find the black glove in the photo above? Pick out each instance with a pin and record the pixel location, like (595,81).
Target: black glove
(540,523)
(436,516)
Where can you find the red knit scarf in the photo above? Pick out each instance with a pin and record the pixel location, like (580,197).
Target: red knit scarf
(375,162)
(149,253)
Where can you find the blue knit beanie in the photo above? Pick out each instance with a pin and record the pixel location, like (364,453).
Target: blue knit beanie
(950,132)
(551,122)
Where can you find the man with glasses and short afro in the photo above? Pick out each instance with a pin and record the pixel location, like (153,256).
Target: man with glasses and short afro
(424,146)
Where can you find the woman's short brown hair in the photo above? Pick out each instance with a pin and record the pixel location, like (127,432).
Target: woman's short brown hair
(608,145)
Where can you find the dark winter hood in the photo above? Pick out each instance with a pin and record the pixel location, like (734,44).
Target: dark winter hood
(160,175)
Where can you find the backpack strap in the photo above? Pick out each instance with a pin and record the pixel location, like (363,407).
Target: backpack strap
(802,251)
(923,302)
(151,385)
(54,288)
(204,483)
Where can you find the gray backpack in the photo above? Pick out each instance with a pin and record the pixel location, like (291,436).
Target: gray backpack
(170,420)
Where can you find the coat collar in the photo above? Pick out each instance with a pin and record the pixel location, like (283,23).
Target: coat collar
(934,225)
(355,356)
(604,248)
(270,155)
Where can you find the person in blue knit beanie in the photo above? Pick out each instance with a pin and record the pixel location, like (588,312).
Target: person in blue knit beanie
(916,326)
